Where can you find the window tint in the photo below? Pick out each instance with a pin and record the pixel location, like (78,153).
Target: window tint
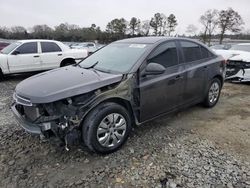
(165,54)
(191,51)
(28,48)
(50,47)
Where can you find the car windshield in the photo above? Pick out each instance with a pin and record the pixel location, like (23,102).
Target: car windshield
(245,48)
(9,48)
(116,57)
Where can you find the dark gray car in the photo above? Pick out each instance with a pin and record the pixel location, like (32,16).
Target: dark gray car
(126,83)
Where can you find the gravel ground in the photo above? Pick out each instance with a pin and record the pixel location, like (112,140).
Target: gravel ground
(197,147)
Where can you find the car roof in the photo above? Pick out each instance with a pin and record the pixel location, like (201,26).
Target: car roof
(151,39)
(36,40)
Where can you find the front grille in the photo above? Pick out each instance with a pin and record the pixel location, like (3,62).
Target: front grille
(22,100)
(31,112)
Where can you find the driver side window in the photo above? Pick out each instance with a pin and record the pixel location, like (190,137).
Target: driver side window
(165,55)
(27,48)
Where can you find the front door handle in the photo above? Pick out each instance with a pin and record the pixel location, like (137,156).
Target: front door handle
(36,56)
(59,54)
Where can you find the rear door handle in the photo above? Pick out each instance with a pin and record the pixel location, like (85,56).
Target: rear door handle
(205,67)
(59,54)
(36,56)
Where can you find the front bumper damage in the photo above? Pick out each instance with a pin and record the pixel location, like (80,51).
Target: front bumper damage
(238,71)
(60,119)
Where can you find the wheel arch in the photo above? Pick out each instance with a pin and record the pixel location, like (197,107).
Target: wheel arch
(123,102)
(67,59)
(220,78)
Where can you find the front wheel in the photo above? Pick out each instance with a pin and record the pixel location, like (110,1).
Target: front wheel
(213,93)
(106,128)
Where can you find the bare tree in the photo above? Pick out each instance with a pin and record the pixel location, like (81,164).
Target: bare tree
(191,29)
(209,21)
(229,20)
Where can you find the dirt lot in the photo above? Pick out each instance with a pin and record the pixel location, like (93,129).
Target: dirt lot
(197,147)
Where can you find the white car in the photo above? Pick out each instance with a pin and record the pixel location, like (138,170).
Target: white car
(37,55)
(238,58)
(89,46)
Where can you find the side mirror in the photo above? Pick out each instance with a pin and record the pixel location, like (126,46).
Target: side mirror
(154,69)
(16,52)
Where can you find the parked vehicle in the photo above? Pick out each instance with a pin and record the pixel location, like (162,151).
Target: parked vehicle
(238,66)
(126,83)
(36,55)
(90,46)
(221,46)
(3,45)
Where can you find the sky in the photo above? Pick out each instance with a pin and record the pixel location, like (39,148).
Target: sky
(28,13)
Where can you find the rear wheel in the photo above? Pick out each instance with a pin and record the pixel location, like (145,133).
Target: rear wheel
(106,128)
(213,93)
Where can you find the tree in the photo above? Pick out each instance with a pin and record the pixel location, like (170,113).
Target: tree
(171,24)
(18,32)
(117,26)
(156,23)
(42,32)
(191,29)
(134,25)
(209,21)
(145,28)
(229,20)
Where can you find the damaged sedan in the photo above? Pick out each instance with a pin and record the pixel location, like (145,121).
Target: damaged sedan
(126,83)
(238,62)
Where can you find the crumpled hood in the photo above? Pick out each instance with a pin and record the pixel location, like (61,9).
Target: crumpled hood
(245,57)
(235,55)
(64,82)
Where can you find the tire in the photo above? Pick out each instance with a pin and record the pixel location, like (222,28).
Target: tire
(67,62)
(101,131)
(213,93)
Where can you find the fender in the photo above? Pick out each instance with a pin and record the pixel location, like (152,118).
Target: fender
(121,94)
(4,66)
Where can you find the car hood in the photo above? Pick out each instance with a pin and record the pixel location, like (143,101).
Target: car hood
(235,55)
(62,83)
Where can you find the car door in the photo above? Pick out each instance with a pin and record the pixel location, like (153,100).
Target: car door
(195,72)
(25,58)
(51,55)
(161,93)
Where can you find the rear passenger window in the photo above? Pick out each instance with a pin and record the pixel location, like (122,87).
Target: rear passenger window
(191,51)
(28,48)
(50,47)
(165,54)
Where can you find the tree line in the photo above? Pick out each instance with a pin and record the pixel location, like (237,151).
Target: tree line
(212,21)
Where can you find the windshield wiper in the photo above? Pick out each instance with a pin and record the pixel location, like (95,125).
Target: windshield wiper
(90,67)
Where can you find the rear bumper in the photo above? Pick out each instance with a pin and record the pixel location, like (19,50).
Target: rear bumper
(28,126)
